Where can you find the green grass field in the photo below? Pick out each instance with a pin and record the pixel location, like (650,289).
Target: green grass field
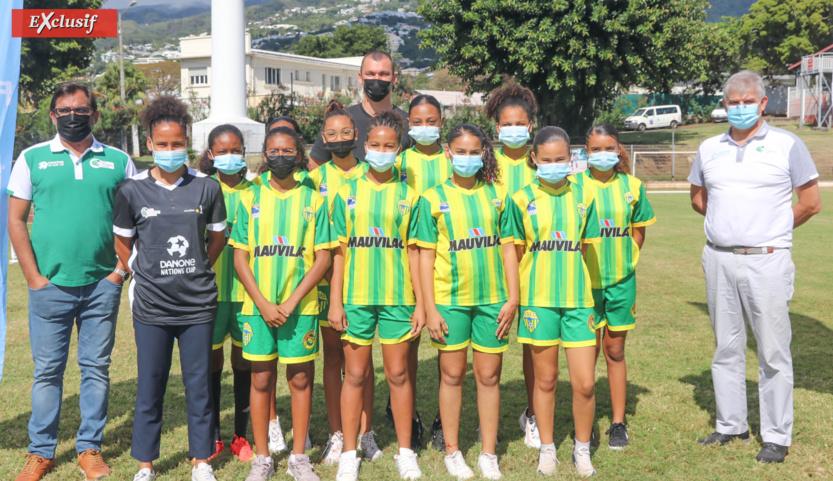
(670,398)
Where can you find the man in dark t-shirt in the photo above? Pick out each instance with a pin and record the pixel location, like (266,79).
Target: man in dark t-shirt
(377,76)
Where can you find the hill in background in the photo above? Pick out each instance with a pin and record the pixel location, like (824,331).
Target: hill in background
(727,8)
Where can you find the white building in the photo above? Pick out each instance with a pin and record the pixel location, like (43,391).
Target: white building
(267,72)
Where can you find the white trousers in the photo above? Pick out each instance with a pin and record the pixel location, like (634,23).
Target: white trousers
(757,288)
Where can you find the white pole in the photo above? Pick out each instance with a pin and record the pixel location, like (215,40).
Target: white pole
(228,59)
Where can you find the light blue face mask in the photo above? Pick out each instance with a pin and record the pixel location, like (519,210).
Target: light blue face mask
(553,173)
(514,136)
(603,161)
(466,165)
(229,163)
(424,135)
(170,160)
(380,161)
(742,116)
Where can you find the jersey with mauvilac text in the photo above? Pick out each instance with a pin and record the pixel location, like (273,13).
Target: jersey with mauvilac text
(421,171)
(377,223)
(552,225)
(281,232)
(621,206)
(467,229)
(514,174)
(229,286)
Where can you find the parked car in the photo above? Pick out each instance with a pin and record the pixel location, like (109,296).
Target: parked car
(719,113)
(655,117)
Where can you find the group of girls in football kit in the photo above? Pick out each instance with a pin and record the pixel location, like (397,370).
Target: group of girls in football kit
(452,236)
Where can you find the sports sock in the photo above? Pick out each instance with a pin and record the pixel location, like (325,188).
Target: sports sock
(242,386)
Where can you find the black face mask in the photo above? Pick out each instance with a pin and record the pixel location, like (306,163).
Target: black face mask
(376,89)
(281,166)
(74,127)
(340,149)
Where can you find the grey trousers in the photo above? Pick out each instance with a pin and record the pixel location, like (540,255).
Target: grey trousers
(757,288)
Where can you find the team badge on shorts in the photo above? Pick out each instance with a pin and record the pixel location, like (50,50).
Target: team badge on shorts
(581,208)
(591,323)
(530,320)
(633,310)
(532,209)
(308,213)
(309,339)
(629,198)
(248,333)
(322,302)
(404,207)
(496,203)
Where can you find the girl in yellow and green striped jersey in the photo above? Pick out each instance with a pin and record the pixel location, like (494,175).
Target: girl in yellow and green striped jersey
(282,242)
(624,212)
(375,284)
(469,275)
(339,134)
(425,164)
(223,160)
(554,220)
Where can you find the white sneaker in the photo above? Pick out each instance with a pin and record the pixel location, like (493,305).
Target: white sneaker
(523,420)
(457,467)
(407,465)
(531,438)
(547,462)
(145,475)
(202,472)
(581,460)
(335,445)
(263,467)
(370,450)
(348,467)
(276,441)
(300,468)
(487,464)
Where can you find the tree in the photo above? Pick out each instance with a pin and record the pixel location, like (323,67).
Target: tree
(163,78)
(721,53)
(574,55)
(44,60)
(778,33)
(344,42)
(113,115)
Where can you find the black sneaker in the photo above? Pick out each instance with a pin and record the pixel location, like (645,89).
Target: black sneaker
(718,438)
(771,453)
(389,413)
(437,438)
(417,429)
(618,436)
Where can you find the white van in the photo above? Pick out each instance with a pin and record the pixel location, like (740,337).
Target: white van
(655,117)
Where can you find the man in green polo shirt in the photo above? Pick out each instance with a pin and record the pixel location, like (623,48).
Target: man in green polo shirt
(74,277)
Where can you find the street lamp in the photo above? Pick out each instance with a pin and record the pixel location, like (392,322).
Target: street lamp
(121,66)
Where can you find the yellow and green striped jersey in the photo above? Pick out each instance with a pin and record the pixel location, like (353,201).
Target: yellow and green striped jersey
(377,226)
(228,285)
(302,176)
(467,229)
(420,171)
(282,232)
(328,179)
(552,224)
(621,205)
(514,174)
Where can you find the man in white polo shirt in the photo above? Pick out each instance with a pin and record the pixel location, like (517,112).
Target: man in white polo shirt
(743,182)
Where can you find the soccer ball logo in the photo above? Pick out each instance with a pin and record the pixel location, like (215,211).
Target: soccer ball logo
(179,245)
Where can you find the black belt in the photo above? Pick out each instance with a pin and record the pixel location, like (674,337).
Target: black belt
(745,250)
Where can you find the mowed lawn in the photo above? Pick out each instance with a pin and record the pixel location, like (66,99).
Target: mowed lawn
(670,398)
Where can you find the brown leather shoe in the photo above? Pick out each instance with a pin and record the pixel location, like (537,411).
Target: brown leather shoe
(36,467)
(92,464)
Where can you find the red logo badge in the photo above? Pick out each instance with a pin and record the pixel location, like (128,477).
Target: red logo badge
(64,23)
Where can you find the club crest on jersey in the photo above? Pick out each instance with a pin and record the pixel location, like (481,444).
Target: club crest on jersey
(591,322)
(279,239)
(530,319)
(255,211)
(248,333)
(351,203)
(310,339)
(532,209)
(308,214)
(149,212)
(403,177)
(444,207)
(496,203)
(629,198)
(322,189)
(581,208)
(559,235)
(404,207)
(477,232)
(375,231)
(322,301)
(102,164)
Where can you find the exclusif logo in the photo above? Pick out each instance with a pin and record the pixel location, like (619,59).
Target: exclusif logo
(64,23)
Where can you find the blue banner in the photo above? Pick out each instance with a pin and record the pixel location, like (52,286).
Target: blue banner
(9,77)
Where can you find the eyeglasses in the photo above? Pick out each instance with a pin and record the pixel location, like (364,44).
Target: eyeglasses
(331,135)
(287,152)
(61,111)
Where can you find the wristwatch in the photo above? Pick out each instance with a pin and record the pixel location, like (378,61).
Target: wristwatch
(123,274)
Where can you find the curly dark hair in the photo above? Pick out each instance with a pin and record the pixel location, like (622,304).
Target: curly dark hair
(336,109)
(299,146)
(545,136)
(512,95)
(165,108)
(205,164)
(489,172)
(387,118)
(624,165)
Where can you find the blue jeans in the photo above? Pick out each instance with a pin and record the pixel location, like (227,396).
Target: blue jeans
(53,310)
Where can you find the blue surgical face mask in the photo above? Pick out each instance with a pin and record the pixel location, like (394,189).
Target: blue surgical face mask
(603,161)
(553,173)
(170,160)
(514,137)
(380,161)
(742,116)
(229,163)
(466,165)
(424,135)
